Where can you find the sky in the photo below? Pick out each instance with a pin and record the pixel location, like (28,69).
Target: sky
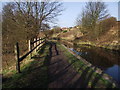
(73,9)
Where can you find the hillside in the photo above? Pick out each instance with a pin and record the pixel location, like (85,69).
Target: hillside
(109,39)
(71,34)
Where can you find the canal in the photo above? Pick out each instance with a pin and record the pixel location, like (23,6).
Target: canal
(107,60)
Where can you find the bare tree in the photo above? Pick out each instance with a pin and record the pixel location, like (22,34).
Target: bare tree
(45,11)
(49,11)
(96,11)
(32,15)
(92,14)
(45,27)
(24,20)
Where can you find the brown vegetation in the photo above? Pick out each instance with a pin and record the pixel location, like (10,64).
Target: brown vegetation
(23,21)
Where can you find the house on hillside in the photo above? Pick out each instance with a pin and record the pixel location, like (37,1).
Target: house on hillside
(64,28)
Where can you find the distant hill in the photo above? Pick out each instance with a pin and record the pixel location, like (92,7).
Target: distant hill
(110,39)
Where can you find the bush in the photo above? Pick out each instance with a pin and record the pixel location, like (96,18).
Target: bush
(57,30)
(64,31)
(106,25)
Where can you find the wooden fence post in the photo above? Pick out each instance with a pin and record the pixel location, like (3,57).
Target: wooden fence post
(29,48)
(45,40)
(39,41)
(35,44)
(17,57)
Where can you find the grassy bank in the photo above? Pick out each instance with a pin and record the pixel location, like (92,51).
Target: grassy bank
(34,73)
(110,46)
(91,75)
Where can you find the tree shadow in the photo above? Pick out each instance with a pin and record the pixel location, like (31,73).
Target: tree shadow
(97,78)
(64,72)
(56,62)
(40,52)
(57,53)
(80,83)
(83,80)
(49,55)
(66,85)
(37,57)
(42,48)
(60,73)
(40,76)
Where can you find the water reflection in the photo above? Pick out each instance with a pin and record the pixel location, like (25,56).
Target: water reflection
(99,57)
(107,60)
(114,72)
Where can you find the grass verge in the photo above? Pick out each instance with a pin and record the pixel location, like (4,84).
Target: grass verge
(34,74)
(91,77)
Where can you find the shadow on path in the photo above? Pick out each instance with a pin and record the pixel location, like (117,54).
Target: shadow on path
(51,69)
(62,74)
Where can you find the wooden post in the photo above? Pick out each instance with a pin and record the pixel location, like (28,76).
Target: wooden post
(45,39)
(29,48)
(39,41)
(35,44)
(17,57)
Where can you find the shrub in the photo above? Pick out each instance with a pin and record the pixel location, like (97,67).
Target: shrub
(106,25)
(64,31)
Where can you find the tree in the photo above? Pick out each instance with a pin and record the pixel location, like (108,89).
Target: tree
(23,21)
(56,29)
(92,14)
(105,25)
(44,12)
(45,27)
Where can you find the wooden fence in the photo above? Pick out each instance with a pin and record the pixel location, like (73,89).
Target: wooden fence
(33,45)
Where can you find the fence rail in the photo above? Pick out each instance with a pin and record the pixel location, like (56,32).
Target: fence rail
(37,43)
(37,40)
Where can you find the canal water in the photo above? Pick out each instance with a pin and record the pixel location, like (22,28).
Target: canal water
(107,60)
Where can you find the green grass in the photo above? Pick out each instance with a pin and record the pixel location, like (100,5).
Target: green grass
(64,31)
(7,70)
(77,65)
(34,74)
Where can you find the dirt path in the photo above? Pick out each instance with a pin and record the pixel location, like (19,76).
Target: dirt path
(50,69)
(61,72)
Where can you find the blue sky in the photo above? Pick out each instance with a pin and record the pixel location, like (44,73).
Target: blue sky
(73,9)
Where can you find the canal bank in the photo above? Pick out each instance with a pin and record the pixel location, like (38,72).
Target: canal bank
(111,46)
(106,60)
